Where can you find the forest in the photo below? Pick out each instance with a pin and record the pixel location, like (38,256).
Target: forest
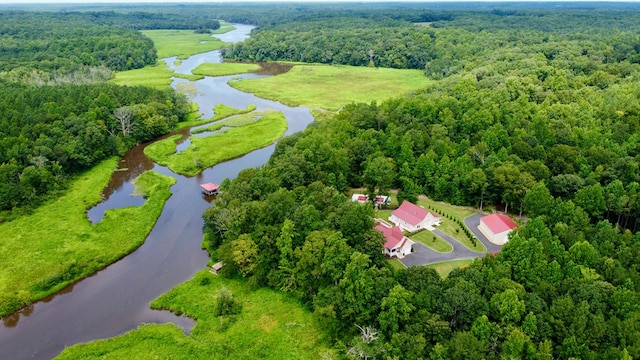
(532,111)
(58,116)
(538,120)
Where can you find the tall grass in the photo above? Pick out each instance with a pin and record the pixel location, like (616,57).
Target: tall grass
(43,252)
(182,43)
(331,87)
(207,151)
(271,325)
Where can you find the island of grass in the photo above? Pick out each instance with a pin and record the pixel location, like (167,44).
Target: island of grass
(331,87)
(56,245)
(182,43)
(444,268)
(211,69)
(257,130)
(220,111)
(270,325)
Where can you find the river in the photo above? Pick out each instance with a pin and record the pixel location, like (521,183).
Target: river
(116,299)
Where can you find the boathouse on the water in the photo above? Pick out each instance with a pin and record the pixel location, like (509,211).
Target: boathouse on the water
(210,189)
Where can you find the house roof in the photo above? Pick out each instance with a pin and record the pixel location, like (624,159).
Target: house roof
(393,235)
(359,197)
(411,213)
(210,186)
(498,223)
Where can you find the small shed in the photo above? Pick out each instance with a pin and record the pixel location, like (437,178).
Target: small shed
(210,189)
(215,268)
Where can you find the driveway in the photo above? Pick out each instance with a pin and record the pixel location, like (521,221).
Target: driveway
(423,255)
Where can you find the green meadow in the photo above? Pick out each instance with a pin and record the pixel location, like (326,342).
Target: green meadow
(157,76)
(271,325)
(55,245)
(210,150)
(182,43)
(210,69)
(220,111)
(332,86)
(443,269)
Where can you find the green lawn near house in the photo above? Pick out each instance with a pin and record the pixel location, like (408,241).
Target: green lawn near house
(271,325)
(333,86)
(45,251)
(451,227)
(443,269)
(431,240)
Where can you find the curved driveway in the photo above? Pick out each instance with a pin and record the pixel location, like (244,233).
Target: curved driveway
(422,255)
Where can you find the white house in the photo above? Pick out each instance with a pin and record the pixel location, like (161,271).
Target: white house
(410,217)
(496,227)
(361,198)
(397,244)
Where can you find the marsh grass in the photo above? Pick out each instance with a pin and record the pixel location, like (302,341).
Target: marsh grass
(220,111)
(182,43)
(271,325)
(157,76)
(224,69)
(331,87)
(210,150)
(43,252)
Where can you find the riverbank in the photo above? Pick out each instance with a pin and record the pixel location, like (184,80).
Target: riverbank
(271,325)
(239,139)
(56,245)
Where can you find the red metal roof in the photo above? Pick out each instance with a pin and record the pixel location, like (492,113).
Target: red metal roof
(498,223)
(393,235)
(210,186)
(411,213)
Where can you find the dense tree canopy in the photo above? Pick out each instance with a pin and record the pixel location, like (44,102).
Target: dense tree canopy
(538,121)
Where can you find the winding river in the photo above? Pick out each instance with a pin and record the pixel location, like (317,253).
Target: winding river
(116,299)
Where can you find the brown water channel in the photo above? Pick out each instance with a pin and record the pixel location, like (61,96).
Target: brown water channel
(116,299)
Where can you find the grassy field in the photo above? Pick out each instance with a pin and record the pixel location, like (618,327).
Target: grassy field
(429,239)
(157,76)
(224,69)
(220,111)
(43,252)
(331,87)
(271,325)
(396,264)
(450,227)
(443,269)
(208,151)
(182,43)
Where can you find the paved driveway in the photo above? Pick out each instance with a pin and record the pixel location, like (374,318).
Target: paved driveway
(422,255)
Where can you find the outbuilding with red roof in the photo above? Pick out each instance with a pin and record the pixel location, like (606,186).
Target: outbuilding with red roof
(210,189)
(410,217)
(496,228)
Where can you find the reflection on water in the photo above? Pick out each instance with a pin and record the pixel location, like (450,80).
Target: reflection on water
(116,299)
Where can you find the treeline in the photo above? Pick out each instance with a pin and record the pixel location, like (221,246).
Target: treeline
(547,127)
(451,42)
(49,133)
(66,43)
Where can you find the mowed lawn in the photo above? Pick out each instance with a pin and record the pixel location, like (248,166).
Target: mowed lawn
(182,43)
(333,86)
(55,245)
(271,325)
